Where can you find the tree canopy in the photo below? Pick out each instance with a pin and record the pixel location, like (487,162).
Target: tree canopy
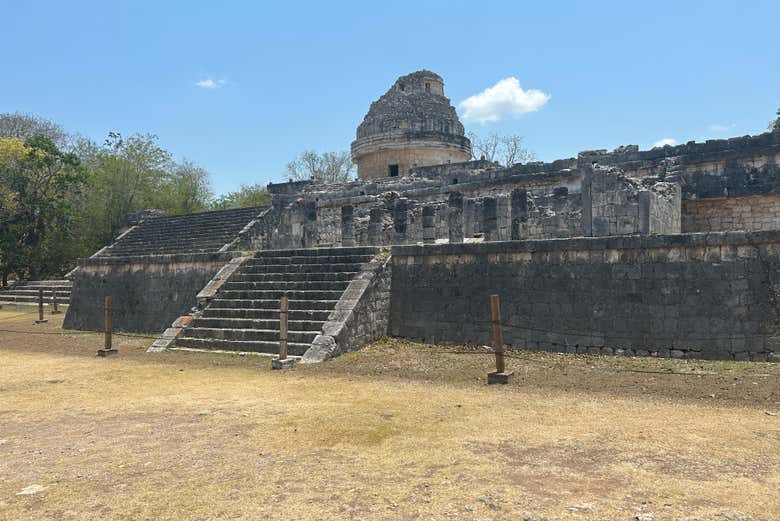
(39,189)
(326,168)
(62,197)
(506,149)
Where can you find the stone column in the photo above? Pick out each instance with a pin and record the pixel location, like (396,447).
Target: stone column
(429,224)
(519,211)
(455,216)
(310,231)
(470,218)
(490,217)
(644,212)
(401,220)
(347,226)
(375,226)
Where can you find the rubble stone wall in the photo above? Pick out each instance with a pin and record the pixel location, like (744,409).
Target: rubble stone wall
(690,295)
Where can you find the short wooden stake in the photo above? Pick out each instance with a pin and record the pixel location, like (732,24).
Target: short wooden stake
(282,362)
(40,320)
(108,328)
(500,375)
(55,309)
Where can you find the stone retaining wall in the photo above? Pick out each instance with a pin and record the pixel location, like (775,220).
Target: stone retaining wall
(148,292)
(693,295)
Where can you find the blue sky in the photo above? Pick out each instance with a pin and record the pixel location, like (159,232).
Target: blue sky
(294,75)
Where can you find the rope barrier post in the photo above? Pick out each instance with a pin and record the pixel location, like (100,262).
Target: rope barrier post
(281,361)
(108,328)
(40,320)
(55,308)
(500,375)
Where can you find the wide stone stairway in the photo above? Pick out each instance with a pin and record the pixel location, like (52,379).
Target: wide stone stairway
(244,316)
(27,292)
(193,233)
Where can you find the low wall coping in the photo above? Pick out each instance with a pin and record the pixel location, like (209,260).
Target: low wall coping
(160,259)
(625,242)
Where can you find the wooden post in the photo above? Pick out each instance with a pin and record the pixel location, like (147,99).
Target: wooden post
(283,305)
(501,375)
(108,328)
(281,361)
(40,320)
(55,309)
(109,325)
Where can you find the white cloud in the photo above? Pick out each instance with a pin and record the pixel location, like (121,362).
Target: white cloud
(504,99)
(719,128)
(209,83)
(665,141)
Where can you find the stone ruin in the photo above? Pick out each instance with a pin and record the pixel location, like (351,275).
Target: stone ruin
(665,252)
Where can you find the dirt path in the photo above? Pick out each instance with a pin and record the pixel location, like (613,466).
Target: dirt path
(393,432)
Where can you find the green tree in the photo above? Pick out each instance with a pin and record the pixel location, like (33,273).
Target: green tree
(245,196)
(38,185)
(184,189)
(775,125)
(130,174)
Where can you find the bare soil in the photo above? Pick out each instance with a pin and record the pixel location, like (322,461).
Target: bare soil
(395,431)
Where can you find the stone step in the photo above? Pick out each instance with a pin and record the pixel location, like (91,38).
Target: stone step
(294,277)
(273,304)
(145,243)
(267,314)
(266,294)
(240,346)
(316,252)
(287,285)
(27,299)
(173,239)
(249,335)
(300,268)
(168,250)
(47,283)
(47,292)
(306,259)
(209,216)
(189,234)
(252,323)
(214,216)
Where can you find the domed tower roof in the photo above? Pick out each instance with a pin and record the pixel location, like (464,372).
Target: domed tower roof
(409,105)
(413,114)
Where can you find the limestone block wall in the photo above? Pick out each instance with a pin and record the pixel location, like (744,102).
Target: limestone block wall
(733,213)
(148,292)
(692,295)
(376,165)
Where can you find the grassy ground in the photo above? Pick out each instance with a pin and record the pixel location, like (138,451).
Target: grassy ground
(397,431)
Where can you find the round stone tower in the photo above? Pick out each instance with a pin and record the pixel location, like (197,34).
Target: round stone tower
(413,124)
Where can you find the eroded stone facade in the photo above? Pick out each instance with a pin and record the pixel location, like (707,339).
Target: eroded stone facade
(413,124)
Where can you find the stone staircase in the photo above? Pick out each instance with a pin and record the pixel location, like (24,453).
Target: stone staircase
(27,292)
(244,315)
(192,233)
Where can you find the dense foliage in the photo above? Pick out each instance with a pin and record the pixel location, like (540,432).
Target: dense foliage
(62,197)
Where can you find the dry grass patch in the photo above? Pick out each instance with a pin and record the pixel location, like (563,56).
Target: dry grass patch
(380,434)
